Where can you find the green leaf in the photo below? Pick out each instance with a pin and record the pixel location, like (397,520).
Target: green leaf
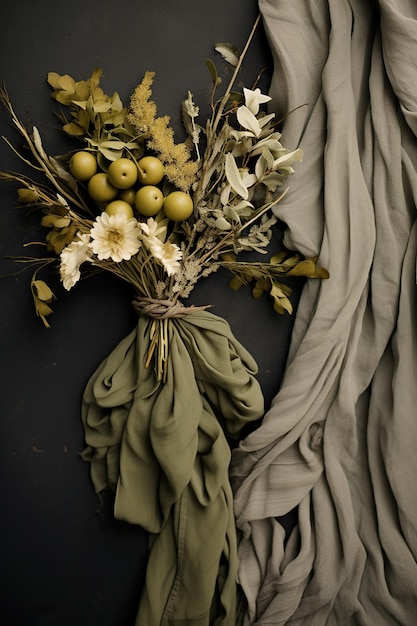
(213,71)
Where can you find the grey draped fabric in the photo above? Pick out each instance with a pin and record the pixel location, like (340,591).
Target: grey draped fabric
(339,441)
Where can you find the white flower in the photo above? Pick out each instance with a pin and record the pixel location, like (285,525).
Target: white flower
(168,254)
(115,237)
(254,98)
(72,258)
(154,229)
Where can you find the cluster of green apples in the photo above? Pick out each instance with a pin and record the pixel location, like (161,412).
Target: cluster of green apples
(129,186)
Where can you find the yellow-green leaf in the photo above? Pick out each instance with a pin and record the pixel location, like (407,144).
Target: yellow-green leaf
(235,283)
(55,220)
(279,293)
(27,196)
(261,285)
(308,268)
(42,291)
(59,239)
(53,80)
(73,129)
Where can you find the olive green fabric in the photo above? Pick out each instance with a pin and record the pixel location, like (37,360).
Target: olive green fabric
(339,442)
(162,448)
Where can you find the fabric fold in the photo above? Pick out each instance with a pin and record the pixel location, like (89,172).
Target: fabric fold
(163,448)
(337,441)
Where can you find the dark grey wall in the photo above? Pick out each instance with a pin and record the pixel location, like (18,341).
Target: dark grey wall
(62,563)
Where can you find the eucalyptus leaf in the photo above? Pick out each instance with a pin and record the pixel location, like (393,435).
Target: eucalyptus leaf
(222,224)
(263,164)
(273,180)
(229,52)
(248,120)
(289,158)
(232,214)
(233,176)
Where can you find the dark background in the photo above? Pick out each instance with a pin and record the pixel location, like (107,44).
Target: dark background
(63,563)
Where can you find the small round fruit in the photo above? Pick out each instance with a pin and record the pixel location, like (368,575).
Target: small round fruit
(128,195)
(83,165)
(150,170)
(119,207)
(122,173)
(178,206)
(100,189)
(149,200)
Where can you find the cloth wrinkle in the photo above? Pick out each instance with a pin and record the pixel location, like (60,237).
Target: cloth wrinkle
(339,439)
(162,448)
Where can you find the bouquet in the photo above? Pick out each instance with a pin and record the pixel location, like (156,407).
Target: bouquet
(159,411)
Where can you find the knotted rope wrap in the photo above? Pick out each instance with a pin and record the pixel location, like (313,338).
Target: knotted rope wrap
(160,311)
(163,309)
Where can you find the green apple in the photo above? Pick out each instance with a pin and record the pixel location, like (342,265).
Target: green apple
(122,173)
(83,165)
(178,206)
(149,200)
(150,170)
(119,207)
(100,189)
(128,195)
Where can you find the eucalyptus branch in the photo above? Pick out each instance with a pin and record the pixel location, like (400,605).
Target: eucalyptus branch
(263,209)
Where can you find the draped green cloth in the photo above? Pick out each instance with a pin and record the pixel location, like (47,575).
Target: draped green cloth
(339,441)
(163,449)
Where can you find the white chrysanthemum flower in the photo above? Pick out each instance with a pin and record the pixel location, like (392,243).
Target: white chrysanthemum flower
(72,257)
(115,237)
(154,229)
(168,254)
(253,98)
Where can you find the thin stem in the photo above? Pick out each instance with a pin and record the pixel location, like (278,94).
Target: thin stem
(225,98)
